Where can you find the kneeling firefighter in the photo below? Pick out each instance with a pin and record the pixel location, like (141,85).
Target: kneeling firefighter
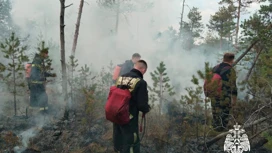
(38,96)
(125,100)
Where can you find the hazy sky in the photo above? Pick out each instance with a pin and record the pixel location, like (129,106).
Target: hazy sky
(207,8)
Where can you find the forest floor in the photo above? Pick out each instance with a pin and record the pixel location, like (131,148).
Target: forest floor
(49,133)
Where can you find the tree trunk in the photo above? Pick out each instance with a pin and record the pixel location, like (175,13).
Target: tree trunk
(238,21)
(77,27)
(62,48)
(181,18)
(161,94)
(206,117)
(62,54)
(117,16)
(253,65)
(14,86)
(221,43)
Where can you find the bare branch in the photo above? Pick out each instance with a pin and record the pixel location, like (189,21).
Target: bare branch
(263,130)
(204,145)
(86,2)
(68,5)
(257,111)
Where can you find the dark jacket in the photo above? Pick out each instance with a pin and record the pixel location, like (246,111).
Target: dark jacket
(228,76)
(139,93)
(126,67)
(38,72)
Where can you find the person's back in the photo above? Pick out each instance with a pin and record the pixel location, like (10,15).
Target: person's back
(124,68)
(126,137)
(228,76)
(221,105)
(37,69)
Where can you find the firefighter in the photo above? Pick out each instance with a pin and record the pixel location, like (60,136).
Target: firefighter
(38,96)
(126,137)
(124,68)
(222,105)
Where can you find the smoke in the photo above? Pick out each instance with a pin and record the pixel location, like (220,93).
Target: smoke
(39,121)
(97,45)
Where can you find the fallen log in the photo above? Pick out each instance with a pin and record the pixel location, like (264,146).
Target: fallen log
(204,145)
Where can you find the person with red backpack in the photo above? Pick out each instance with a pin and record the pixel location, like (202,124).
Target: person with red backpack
(222,91)
(124,68)
(125,100)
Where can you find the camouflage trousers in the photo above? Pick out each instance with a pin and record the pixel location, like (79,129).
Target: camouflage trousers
(221,112)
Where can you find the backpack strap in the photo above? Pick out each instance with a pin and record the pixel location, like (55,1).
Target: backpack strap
(124,86)
(225,69)
(215,68)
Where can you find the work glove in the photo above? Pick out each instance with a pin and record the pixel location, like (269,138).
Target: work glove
(54,75)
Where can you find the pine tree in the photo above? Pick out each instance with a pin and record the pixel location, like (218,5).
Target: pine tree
(161,86)
(47,61)
(192,28)
(84,78)
(14,52)
(195,24)
(222,22)
(71,77)
(193,102)
(258,27)
(239,6)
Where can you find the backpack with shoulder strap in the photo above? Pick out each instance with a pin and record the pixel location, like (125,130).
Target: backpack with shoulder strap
(213,87)
(117,105)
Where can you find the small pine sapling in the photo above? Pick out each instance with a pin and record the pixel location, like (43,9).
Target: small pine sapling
(71,78)
(160,86)
(14,52)
(47,60)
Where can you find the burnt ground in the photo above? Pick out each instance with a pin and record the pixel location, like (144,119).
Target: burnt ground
(44,133)
(48,133)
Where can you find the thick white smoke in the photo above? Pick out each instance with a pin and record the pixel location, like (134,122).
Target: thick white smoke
(97,45)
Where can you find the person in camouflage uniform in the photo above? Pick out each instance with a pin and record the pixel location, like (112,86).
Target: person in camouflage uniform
(38,96)
(221,106)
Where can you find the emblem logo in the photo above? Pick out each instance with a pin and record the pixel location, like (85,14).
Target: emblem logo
(236,141)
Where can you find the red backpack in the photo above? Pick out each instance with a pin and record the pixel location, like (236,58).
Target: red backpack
(213,88)
(117,105)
